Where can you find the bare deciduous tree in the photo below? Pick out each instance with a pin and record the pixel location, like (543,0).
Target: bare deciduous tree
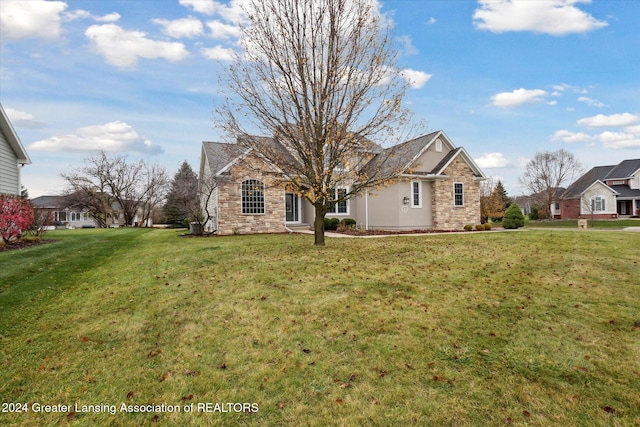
(546,173)
(105,179)
(319,77)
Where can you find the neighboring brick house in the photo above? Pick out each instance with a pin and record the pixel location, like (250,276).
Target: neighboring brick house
(12,157)
(604,192)
(437,188)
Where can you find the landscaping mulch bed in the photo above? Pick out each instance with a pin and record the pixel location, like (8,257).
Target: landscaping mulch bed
(21,244)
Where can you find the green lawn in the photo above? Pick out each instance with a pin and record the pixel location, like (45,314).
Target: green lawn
(598,223)
(531,327)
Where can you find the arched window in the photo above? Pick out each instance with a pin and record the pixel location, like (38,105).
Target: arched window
(252,197)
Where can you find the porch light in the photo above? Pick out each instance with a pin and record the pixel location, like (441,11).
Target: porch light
(405,201)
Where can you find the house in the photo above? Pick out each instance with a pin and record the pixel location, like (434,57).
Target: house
(12,157)
(437,189)
(603,192)
(69,215)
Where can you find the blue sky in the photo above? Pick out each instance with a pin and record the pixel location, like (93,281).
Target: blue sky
(505,79)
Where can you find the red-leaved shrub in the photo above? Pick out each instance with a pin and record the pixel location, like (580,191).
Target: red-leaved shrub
(16,215)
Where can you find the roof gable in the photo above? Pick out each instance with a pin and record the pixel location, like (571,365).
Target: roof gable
(451,156)
(12,138)
(625,169)
(599,184)
(597,173)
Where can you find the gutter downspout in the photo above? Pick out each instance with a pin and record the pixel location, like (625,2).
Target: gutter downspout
(366,209)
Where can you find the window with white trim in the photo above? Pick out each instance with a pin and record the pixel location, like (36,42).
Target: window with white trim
(76,216)
(341,207)
(598,204)
(416,194)
(60,216)
(458,194)
(439,145)
(252,197)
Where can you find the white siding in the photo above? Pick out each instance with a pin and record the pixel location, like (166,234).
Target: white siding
(602,191)
(9,169)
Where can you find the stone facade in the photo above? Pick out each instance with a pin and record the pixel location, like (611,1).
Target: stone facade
(231,220)
(446,216)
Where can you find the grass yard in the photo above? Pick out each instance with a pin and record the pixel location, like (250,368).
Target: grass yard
(530,328)
(596,224)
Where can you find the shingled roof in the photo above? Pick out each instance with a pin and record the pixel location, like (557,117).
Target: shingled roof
(623,170)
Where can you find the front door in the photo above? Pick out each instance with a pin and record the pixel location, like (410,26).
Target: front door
(292,207)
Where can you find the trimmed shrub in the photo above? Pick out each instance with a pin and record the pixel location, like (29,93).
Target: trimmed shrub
(480,227)
(514,214)
(348,223)
(468,227)
(331,223)
(533,215)
(487,226)
(509,223)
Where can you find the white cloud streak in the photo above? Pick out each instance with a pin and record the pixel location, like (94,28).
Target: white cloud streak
(219,53)
(619,140)
(492,160)
(555,17)
(113,136)
(614,120)
(518,97)
(416,79)
(571,137)
(180,28)
(123,48)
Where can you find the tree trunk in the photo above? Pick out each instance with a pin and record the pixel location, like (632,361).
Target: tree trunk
(318,225)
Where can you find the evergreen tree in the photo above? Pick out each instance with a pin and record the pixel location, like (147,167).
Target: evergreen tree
(497,202)
(182,200)
(502,195)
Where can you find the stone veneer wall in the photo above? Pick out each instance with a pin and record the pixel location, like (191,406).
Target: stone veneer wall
(231,220)
(446,216)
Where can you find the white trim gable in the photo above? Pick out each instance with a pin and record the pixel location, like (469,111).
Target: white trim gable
(601,183)
(12,138)
(468,160)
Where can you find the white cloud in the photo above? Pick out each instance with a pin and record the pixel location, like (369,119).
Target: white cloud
(113,136)
(564,86)
(111,17)
(23,119)
(207,7)
(123,48)
(601,120)
(18,116)
(492,160)
(220,30)
(591,102)
(36,18)
(571,137)
(431,21)
(555,17)
(219,53)
(76,14)
(618,140)
(184,27)
(416,79)
(518,97)
(633,129)
(407,45)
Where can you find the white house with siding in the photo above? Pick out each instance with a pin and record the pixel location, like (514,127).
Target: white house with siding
(12,157)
